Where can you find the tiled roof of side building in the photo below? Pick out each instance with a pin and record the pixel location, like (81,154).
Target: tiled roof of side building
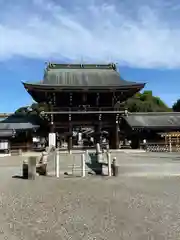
(6,133)
(154,120)
(17,122)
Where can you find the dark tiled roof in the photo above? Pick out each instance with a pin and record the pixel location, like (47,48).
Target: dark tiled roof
(84,77)
(154,120)
(87,75)
(17,122)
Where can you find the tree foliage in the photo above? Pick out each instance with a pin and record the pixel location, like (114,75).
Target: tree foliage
(34,109)
(33,113)
(146,102)
(176,106)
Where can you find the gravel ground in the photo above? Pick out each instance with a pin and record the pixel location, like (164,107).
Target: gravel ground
(90,208)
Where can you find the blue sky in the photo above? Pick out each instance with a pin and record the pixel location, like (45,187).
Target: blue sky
(143,38)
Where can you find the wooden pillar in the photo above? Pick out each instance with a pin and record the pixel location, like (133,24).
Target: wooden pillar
(114,134)
(70,144)
(52,128)
(135,142)
(114,137)
(110,138)
(97,131)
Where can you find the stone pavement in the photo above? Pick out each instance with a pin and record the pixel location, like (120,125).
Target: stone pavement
(130,163)
(117,208)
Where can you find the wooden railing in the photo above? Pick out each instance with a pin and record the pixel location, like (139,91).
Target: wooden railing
(162,147)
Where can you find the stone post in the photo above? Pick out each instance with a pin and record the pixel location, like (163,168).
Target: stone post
(98,153)
(25,170)
(57,164)
(52,139)
(109,164)
(52,134)
(32,168)
(114,168)
(83,166)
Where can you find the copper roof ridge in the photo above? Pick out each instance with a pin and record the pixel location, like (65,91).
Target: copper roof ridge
(52,65)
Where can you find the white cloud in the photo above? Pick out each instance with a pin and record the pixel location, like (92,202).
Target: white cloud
(94,32)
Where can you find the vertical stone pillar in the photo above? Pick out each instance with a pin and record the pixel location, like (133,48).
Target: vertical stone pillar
(57,164)
(115,169)
(32,168)
(25,169)
(109,164)
(52,134)
(170,143)
(83,166)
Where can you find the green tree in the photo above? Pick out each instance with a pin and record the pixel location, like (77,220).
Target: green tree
(146,102)
(34,109)
(32,113)
(22,110)
(176,106)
